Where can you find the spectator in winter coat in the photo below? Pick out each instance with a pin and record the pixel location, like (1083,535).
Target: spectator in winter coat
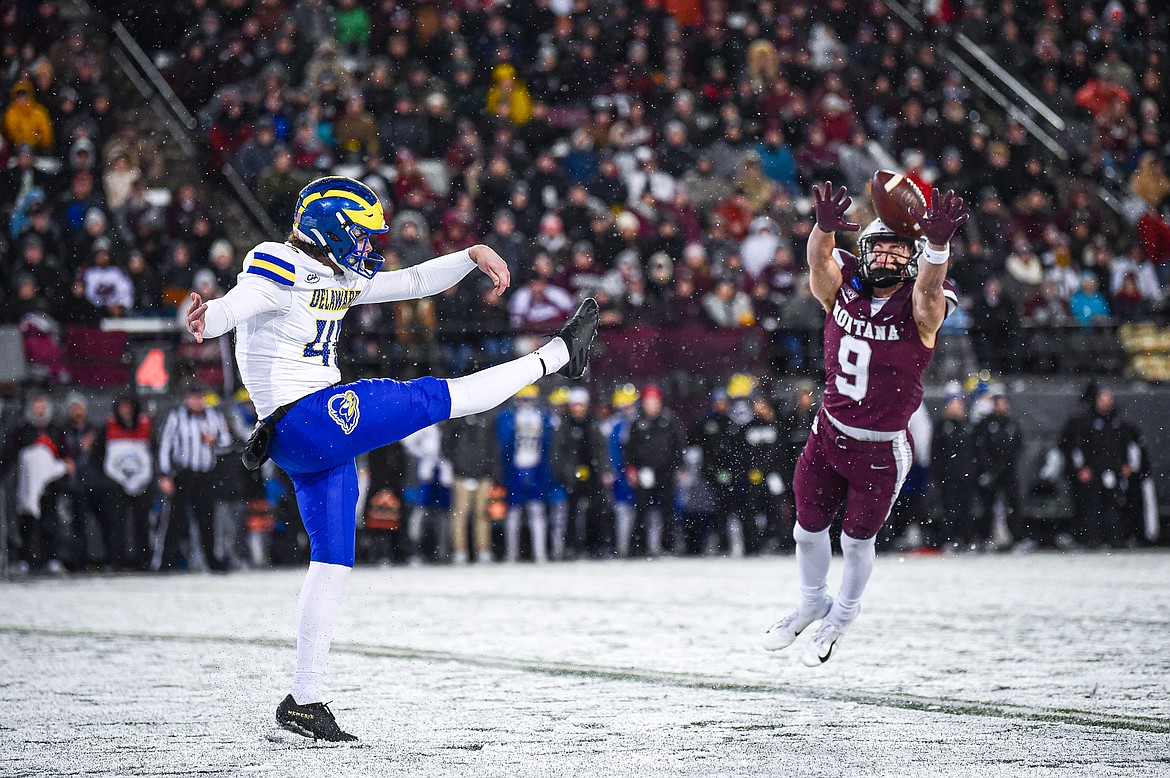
(508,96)
(539,307)
(26,121)
(725,306)
(998,443)
(106,285)
(475,463)
(995,323)
(1088,305)
(759,247)
(704,188)
(87,487)
(37,451)
(1104,453)
(356,131)
(952,467)
(123,449)
(653,453)
(778,162)
(580,464)
(764,521)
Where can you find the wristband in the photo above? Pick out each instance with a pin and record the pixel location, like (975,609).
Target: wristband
(936,257)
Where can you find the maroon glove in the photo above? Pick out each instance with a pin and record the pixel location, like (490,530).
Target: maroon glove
(942,218)
(831,209)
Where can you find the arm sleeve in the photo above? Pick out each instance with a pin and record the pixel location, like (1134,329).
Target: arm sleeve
(431,277)
(250,296)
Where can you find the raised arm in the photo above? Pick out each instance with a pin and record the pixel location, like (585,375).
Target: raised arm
(436,275)
(942,218)
(824,273)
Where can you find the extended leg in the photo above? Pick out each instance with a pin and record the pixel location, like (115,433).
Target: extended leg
(488,388)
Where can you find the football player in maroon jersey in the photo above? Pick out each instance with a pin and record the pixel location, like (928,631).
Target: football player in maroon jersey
(883,311)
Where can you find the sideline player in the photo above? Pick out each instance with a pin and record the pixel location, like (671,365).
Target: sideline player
(883,311)
(287,307)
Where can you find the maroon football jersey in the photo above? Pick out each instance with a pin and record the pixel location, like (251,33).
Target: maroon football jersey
(874,361)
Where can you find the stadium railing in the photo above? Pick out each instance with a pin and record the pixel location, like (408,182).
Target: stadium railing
(170,112)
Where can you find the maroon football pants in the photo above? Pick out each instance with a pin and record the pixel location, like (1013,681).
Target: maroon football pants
(836,469)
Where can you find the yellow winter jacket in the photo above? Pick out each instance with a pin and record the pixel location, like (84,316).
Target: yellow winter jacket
(26,120)
(518,100)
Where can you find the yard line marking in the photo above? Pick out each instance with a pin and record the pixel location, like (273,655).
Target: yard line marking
(925,704)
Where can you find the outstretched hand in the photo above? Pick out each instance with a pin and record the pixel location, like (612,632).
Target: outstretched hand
(493,266)
(197,317)
(831,208)
(944,216)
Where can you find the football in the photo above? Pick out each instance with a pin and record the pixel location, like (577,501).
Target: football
(892,195)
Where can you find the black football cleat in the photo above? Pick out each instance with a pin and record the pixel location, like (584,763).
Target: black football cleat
(314,720)
(578,334)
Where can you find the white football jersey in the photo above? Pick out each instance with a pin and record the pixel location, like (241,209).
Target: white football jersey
(287,353)
(287,309)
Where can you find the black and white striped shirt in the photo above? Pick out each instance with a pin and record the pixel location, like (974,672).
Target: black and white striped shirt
(183,445)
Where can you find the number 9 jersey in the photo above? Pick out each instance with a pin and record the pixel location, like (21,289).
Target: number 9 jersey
(874,356)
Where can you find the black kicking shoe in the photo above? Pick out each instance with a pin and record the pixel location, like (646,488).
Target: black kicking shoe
(578,335)
(314,720)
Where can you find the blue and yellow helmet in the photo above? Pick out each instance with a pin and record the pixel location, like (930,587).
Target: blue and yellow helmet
(339,214)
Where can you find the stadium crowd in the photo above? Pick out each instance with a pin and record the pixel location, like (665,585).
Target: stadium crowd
(657,155)
(654,154)
(566,476)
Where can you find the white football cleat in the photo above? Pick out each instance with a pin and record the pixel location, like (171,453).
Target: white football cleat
(821,648)
(783,633)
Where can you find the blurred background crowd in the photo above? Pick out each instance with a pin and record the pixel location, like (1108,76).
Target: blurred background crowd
(563,476)
(655,154)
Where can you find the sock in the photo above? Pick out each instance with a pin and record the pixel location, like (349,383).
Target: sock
(813,554)
(859,556)
(316,612)
(488,388)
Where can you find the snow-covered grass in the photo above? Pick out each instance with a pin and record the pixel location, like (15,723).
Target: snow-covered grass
(1044,664)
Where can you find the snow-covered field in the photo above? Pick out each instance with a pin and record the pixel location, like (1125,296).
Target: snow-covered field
(1047,664)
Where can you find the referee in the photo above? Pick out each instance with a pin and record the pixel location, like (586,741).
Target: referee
(193,437)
